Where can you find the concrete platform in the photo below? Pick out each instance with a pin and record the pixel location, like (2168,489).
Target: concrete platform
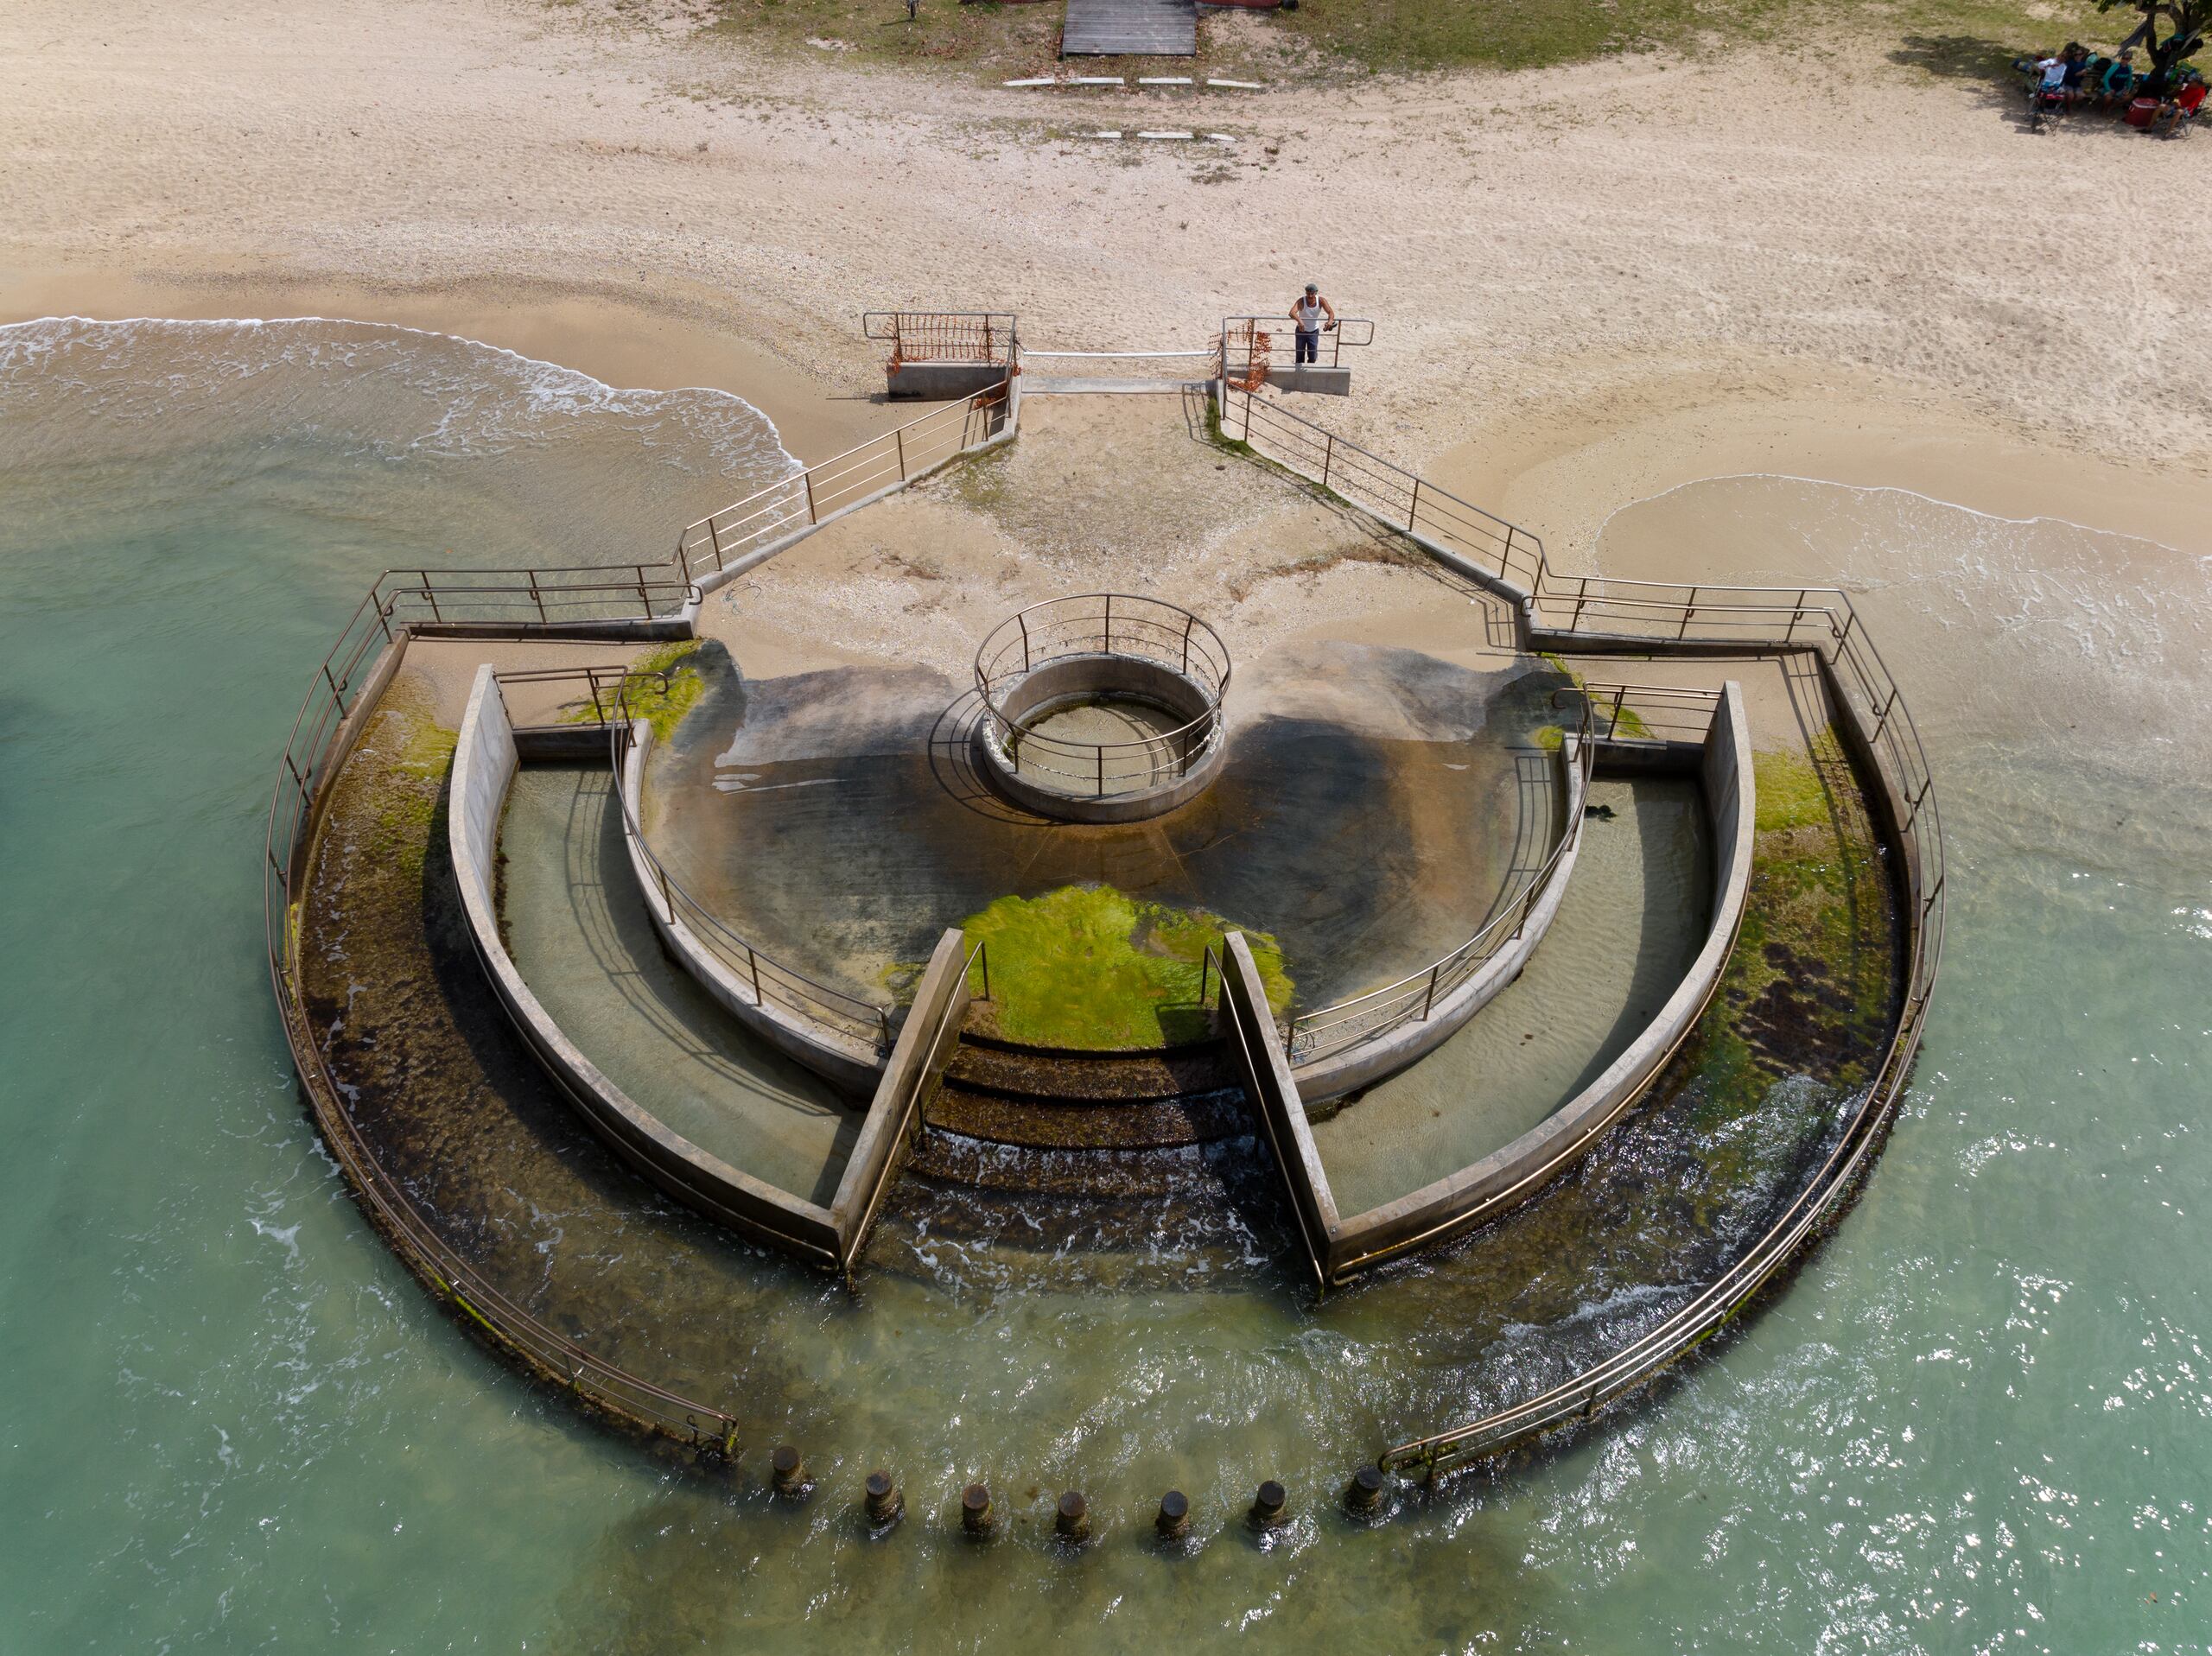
(1324,382)
(940,381)
(1101,385)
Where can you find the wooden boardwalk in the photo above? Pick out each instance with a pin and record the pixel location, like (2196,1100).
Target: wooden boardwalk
(1167,28)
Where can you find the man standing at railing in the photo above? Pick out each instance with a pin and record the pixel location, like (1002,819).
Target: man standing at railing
(1308,310)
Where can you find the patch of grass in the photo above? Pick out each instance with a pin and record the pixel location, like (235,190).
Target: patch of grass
(391,787)
(1092,967)
(1330,39)
(1402,35)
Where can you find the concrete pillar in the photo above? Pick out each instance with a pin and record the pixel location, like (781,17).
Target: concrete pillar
(884,1501)
(1363,1494)
(1175,1520)
(1269,1506)
(975,1509)
(787,1467)
(1072,1522)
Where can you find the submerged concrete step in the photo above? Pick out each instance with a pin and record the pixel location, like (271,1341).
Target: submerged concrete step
(1060,1124)
(1042,1076)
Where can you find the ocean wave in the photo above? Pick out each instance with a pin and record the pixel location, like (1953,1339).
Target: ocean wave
(378,387)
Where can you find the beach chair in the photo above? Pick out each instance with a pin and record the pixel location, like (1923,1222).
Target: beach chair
(2180,112)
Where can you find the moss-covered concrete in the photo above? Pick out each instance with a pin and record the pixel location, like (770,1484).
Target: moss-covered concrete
(1092,967)
(663,709)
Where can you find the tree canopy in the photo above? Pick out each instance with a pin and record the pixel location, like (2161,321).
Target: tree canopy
(2185,21)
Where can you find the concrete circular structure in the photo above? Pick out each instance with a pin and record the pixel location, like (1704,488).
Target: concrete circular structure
(1102,707)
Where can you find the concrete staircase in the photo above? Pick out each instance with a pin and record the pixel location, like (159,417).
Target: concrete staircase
(1044,1098)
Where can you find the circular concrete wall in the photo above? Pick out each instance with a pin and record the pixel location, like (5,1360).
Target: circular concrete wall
(1122,781)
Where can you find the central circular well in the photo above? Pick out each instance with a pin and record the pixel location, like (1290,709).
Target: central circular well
(1105,708)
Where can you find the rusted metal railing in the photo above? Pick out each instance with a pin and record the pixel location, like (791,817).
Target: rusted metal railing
(946,336)
(793,504)
(1251,347)
(342,688)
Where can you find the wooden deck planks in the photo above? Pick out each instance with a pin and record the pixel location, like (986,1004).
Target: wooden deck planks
(1131,28)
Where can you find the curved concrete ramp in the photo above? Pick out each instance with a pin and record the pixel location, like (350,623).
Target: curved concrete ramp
(1131,28)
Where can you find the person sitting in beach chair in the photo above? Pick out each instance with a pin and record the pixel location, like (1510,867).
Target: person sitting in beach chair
(2046,88)
(2076,58)
(2179,112)
(2117,84)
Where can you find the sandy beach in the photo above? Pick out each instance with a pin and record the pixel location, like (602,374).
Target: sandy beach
(1589,285)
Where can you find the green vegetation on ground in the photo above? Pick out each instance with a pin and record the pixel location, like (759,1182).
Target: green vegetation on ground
(1333,39)
(1091,966)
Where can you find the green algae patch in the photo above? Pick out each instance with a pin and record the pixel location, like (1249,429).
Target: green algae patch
(1092,967)
(388,801)
(663,709)
(1791,791)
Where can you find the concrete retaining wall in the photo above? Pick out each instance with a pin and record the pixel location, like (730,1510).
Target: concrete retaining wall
(940,381)
(926,1041)
(1257,1054)
(1518,1171)
(853,1067)
(1370,1062)
(484,763)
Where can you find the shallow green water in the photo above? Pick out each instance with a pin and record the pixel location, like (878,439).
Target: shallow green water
(1979,1419)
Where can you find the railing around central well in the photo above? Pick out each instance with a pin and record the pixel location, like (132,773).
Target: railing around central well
(1103,624)
(1322,1030)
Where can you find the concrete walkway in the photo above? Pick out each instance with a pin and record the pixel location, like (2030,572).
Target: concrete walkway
(1633,918)
(580,938)
(1131,28)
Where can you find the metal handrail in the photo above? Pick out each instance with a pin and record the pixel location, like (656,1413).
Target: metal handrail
(1057,630)
(311,750)
(1553,610)
(1309,1035)
(1403,500)
(810,496)
(616,674)
(852,1016)
(1893,740)
(1246,340)
(944,335)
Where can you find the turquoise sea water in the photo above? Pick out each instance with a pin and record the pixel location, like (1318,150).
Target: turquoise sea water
(1979,1419)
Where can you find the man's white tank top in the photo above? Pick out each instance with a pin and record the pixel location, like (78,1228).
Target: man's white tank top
(1307,314)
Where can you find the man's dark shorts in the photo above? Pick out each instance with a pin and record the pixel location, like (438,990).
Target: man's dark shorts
(1309,346)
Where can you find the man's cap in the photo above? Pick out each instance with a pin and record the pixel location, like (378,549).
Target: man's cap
(1312,286)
